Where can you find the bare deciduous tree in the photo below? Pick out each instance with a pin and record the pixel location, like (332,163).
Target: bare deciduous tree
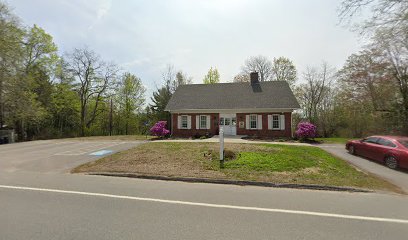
(169,76)
(173,79)
(391,14)
(311,93)
(242,77)
(260,64)
(94,78)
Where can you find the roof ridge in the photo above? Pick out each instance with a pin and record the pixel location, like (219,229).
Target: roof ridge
(225,83)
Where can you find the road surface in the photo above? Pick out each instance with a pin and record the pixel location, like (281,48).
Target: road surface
(53,204)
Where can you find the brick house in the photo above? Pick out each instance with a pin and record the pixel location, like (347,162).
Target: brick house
(255,109)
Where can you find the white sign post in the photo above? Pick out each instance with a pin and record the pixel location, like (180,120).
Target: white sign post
(221,148)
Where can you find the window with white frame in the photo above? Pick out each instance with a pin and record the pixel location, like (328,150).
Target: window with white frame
(275,122)
(221,121)
(253,121)
(203,122)
(184,122)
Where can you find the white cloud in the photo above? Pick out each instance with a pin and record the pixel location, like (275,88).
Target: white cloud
(103,8)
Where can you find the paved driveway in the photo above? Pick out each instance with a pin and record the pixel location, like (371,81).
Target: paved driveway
(399,178)
(56,156)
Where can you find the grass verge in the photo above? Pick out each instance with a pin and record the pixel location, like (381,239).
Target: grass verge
(254,162)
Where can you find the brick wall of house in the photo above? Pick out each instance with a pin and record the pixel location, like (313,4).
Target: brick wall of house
(241,117)
(265,132)
(193,131)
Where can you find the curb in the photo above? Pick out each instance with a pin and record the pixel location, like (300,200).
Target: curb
(234,182)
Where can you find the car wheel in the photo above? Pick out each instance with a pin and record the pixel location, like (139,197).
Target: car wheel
(351,150)
(391,162)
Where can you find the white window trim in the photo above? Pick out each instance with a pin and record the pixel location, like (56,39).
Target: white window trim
(256,121)
(222,122)
(181,121)
(199,124)
(279,122)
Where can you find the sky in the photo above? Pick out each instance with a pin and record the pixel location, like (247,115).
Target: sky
(143,37)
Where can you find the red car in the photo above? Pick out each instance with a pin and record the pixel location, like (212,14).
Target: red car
(391,150)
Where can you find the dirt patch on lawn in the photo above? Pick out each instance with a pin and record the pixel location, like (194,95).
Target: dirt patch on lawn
(154,159)
(170,159)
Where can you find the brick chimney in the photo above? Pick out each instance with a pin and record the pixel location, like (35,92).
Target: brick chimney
(254,78)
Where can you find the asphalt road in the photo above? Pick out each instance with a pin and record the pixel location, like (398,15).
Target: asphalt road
(397,177)
(62,206)
(53,204)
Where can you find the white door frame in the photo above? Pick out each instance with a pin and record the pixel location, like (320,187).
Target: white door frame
(231,127)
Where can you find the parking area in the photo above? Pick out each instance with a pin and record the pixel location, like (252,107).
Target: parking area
(56,156)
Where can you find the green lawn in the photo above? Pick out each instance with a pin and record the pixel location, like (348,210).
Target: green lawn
(283,159)
(334,140)
(299,164)
(258,162)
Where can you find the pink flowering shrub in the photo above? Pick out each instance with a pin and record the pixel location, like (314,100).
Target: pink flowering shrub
(306,130)
(159,129)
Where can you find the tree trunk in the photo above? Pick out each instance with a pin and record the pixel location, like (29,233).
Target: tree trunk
(82,124)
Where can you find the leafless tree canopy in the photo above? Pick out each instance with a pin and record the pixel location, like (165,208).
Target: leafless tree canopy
(243,77)
(383,13)
(260,64)
(94,78)
(172,79)
(312,93)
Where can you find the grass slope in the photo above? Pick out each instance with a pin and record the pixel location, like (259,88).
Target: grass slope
(259,162)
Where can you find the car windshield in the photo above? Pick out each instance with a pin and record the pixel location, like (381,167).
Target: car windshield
(370,140)
(404,142)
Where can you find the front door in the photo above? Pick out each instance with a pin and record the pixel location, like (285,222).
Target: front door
(228,122)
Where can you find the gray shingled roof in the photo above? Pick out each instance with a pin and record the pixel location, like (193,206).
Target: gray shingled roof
(275,94)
